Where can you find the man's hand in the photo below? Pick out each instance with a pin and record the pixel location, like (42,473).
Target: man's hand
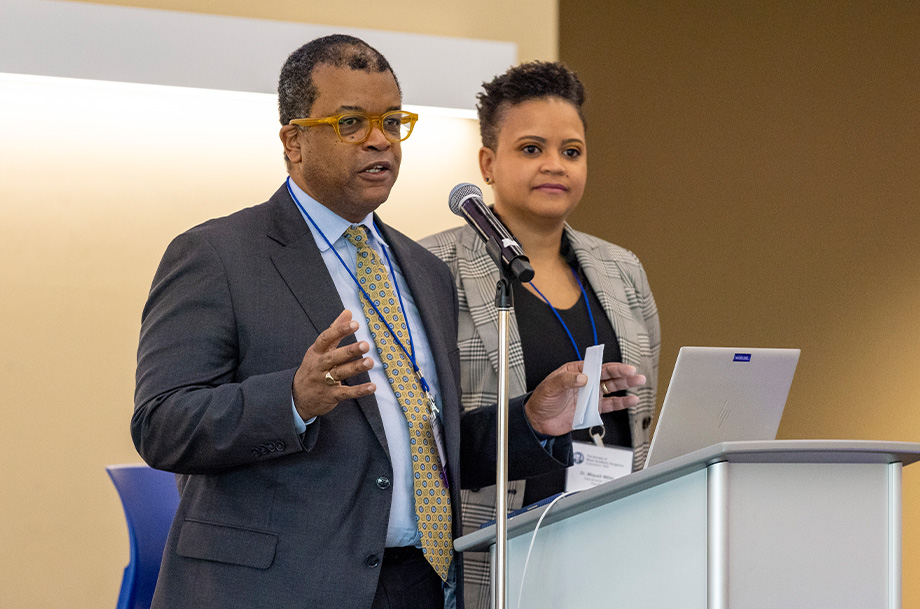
(551,407)
(313,393)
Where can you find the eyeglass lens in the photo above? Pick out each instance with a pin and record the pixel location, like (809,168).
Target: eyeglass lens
(395,126)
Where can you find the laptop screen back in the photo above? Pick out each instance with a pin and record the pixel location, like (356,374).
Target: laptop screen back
(722,394)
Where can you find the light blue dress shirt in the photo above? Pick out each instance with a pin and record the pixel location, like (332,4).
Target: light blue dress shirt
(402,529)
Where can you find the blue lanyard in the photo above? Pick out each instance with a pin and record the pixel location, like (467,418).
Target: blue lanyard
(411,356)
(559,317)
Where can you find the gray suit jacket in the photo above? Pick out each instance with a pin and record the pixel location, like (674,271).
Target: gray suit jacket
(268,518)
(618,279)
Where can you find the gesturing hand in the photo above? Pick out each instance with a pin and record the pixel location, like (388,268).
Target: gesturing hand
(314,392)
(551,407)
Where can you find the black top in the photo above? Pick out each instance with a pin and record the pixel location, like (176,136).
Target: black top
(546,346)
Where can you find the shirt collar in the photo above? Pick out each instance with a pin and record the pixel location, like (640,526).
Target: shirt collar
(332,225)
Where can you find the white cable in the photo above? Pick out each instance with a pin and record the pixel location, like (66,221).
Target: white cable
(533,539)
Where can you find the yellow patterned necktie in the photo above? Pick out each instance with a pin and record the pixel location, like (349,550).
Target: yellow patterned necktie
(432,500)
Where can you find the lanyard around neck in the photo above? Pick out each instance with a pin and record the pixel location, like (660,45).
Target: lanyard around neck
(411,356)
(565,327)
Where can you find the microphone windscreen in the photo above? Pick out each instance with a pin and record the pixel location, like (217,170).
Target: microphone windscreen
(459,194)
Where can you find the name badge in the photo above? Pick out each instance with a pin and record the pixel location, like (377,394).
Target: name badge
(595,465)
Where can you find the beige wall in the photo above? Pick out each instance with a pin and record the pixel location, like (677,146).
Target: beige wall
(531,24)
(762,159)
(91,191)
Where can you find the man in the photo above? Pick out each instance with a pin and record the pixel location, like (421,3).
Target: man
(318,436)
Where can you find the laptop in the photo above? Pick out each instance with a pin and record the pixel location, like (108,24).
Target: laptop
(722,394)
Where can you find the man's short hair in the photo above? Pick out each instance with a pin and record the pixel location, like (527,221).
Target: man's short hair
(296,90)
(526,82)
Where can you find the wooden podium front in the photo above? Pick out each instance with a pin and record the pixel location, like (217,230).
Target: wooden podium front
(739,525)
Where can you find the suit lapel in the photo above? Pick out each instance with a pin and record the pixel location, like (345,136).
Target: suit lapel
(430,306)
(442,339)
(301,266)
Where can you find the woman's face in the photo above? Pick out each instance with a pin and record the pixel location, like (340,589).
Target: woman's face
(539,165)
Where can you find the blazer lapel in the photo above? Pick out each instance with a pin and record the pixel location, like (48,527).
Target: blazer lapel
(301,266)
(611,296)
(479,276)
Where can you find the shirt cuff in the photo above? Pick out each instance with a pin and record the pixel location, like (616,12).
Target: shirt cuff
(299,424)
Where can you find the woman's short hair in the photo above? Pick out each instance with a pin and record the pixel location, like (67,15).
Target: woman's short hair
(525,82)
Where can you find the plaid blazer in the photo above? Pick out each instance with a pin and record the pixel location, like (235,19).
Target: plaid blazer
(618,279)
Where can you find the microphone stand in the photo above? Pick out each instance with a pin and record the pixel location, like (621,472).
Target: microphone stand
(504,302)
(498,240)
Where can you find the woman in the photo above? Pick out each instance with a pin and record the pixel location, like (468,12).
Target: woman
(585,291)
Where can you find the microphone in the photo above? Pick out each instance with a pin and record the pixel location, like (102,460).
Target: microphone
(466,200)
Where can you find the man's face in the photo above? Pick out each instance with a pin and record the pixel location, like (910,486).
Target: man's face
(350,179)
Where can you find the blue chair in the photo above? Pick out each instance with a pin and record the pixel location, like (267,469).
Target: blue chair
(150,499)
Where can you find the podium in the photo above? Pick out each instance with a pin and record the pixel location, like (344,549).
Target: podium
(739,525)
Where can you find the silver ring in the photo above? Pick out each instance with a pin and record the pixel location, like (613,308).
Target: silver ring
(330,380)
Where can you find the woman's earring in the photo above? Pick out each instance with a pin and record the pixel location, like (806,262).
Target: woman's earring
(489,181)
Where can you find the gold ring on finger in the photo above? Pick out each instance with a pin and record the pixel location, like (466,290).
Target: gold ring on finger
(330,380)
(604,387)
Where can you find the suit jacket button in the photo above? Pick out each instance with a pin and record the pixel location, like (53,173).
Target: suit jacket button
(646,422)
(372,561)
(383,483)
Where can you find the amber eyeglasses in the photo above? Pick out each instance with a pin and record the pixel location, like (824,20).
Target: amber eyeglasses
(355,127)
